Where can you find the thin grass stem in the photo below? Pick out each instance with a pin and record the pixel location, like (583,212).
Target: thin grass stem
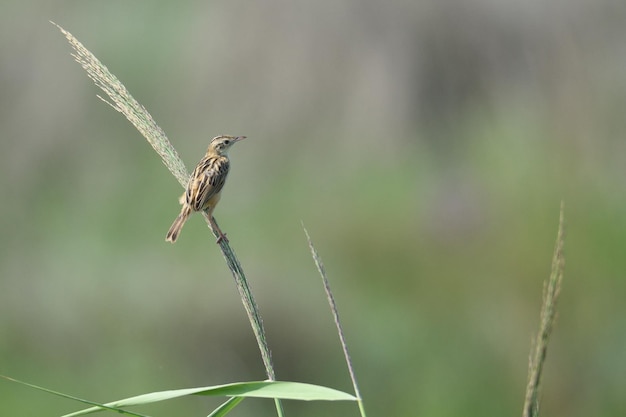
(333,308)
(551,292)
(123,102)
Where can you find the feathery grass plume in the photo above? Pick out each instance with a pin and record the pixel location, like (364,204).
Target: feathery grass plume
(333,308)
(551,293)
(123,102)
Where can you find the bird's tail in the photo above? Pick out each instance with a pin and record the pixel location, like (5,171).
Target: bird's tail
(178,224)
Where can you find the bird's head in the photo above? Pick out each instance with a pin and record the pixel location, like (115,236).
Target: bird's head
(221,144)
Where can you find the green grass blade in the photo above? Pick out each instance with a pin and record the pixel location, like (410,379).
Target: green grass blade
(225,408)
(72,397)
(257,389)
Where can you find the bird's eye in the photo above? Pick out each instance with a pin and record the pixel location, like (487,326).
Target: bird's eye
(226,142)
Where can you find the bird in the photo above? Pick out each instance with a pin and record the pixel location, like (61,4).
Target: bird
(205,185)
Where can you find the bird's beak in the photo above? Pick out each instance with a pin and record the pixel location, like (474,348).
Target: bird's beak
(238,138)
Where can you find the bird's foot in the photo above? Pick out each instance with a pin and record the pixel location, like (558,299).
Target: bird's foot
(222,238)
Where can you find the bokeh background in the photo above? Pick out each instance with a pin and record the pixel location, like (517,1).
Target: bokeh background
(425,145)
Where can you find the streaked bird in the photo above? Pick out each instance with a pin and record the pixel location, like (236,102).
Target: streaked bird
(205,185)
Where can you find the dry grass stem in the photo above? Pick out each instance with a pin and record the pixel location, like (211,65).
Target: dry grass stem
(548,315)
(123,102)
(333,308)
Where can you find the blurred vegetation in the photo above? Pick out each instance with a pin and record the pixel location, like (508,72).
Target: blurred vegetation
(426,145)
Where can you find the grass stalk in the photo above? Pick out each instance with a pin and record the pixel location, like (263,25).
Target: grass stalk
(123,102)
(333,308)
(551,292)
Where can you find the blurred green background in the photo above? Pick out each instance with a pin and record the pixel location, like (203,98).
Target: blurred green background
(425,145)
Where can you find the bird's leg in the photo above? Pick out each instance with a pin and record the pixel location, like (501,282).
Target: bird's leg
(222,235)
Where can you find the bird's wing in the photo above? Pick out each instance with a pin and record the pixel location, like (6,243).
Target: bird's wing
(206,181)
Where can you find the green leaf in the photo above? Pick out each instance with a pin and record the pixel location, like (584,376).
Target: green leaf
(258,389)
(225,408)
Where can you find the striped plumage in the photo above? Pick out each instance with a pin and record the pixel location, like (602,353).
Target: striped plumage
(205,185)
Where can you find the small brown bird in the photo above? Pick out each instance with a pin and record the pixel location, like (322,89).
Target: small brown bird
(205,185)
